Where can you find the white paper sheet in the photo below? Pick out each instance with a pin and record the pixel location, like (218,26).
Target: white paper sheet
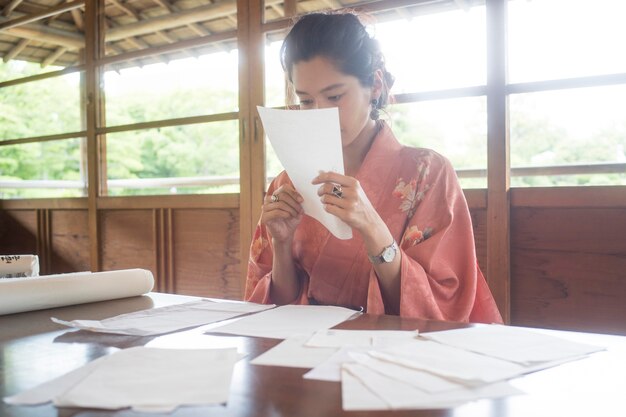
(450,362)
(167,319)
(286,321)
(425,381)
(330,369)
(365,338)
(144,379)
(398,395)
(512,343)
(307,142)
(49,291)
(293,352)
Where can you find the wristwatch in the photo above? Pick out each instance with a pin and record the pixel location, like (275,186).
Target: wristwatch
(387,255)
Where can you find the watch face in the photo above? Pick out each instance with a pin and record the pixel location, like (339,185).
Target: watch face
(389,254)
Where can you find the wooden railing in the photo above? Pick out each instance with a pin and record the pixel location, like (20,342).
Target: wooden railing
(212,181)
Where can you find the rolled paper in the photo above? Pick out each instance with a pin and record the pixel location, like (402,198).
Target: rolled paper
(49,291)
(19,266)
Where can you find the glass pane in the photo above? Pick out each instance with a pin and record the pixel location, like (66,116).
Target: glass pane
(455,128)
(274,76)
(569,38)
(192,159)
(182,88)
(43,169)
(41,108)
(446,50)
(569,127)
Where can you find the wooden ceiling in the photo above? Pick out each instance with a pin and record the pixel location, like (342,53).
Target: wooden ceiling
(51,32)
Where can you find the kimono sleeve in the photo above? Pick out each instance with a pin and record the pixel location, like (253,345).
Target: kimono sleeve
(439,276)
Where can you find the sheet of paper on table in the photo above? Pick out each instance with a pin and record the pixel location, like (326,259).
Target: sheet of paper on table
(511,343)
(168,319)
(307,142)
(294,353)
(286,321)
(448,368)
(144,379)
(310,351)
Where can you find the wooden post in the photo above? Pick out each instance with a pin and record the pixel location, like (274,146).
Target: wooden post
(94,41)
(498,159)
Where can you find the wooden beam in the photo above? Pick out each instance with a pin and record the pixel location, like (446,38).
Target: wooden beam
(608,196)
(498,160)
(47,138)
(70,203)
(62,8)
(15,51)
(78,18)
(189,201)
(195,27)
(290,8)
(8,9)
(48,35)
(157,50)
(49,60)
(170,21)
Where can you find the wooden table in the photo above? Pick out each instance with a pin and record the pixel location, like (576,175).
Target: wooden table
(33,350)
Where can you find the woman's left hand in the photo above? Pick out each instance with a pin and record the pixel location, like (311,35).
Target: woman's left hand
(343,197)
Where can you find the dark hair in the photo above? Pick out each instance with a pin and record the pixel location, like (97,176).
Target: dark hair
(342,38)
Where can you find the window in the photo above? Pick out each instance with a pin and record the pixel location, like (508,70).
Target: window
(439,85)
(185,87)
(198,158)
(567,121)
(41,132)
(188,156)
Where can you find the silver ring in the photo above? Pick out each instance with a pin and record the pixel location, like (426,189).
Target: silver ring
(274,198)
(337,191)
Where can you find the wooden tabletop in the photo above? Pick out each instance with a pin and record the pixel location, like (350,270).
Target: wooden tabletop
(34,350)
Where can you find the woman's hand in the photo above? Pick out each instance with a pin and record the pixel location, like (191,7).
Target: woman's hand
(343,197)
(282,212)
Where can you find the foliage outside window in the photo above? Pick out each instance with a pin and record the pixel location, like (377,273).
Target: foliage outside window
(182,157)
(45,107)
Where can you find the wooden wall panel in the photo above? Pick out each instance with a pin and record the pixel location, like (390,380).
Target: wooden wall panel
(18,232)
(569,268)
(206,254)
(479,224)
(69,241)
(127,240)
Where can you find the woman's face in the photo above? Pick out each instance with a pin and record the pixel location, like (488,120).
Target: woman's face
(319,84)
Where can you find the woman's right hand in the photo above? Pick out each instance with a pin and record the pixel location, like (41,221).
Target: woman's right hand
(282,212)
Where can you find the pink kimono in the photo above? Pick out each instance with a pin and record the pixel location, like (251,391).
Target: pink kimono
(417,194)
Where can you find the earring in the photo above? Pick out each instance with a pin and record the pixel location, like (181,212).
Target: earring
(374,113)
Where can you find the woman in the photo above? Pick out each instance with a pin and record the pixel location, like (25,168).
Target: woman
(413,251)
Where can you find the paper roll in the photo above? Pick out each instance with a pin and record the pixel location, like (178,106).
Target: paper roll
(48,291)
(19,266)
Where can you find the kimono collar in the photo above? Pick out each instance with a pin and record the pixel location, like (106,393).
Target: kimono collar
(381,156)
